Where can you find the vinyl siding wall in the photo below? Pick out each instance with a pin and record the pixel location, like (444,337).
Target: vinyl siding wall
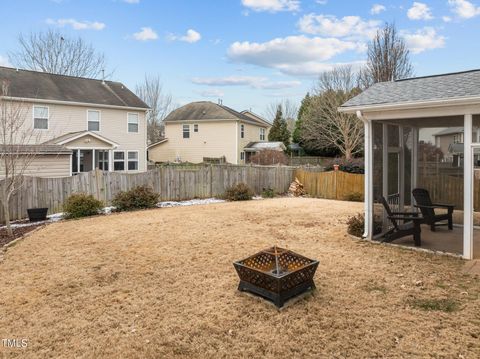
(113,126)
(47,166)
(213,139)
(252,134)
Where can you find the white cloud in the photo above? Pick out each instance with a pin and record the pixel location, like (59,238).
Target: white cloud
(322,2)
(419,11)
(329,25)
(191,36)
(4,61)
(250,81)
(146,34)
(446,18)
(377,9)
(272,5)
(77,25)
(424,39)
(293,54)
(131,1)
(464,9)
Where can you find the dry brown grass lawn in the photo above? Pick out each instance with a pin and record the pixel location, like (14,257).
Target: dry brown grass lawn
(160,284)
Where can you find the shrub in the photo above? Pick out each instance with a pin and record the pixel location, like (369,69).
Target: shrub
(354,197)
(238,192)
(356,225)
(269,157)
(81,205)
(355,165)
(140,197)
(268,193)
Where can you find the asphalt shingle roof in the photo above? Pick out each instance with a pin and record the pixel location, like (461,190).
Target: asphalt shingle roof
(45,86)
(206,110)
(429,88)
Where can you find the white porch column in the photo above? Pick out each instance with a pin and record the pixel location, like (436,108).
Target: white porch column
(368,233)
(78,161)
(414,163)
(93,160)
(467,188)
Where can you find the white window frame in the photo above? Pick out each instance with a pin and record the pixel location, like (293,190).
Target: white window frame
(262,134)
(242,131)
(183,131)
(242,156)
(114,160)
(99,120)
(195,127)
(104,161)
(138,159)
(128,122)
(48,117)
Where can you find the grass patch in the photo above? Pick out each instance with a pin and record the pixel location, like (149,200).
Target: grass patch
(444,305)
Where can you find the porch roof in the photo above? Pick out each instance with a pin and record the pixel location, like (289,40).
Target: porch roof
(72,136)
(446,87)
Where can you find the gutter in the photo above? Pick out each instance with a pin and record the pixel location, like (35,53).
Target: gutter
(85,104)
(412,105)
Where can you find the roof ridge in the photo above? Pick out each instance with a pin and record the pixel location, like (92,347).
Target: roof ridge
(436,75)
(16,69)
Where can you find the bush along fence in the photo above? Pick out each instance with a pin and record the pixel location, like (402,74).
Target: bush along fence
(332,185)
(172,183)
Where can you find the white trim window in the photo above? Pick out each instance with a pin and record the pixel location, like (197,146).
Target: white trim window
(242,156)
(93,120)
(242,131)
(262,134)
(195,127)
(40,117)
(133,160)
(132,122)
(186,131)
(119,160)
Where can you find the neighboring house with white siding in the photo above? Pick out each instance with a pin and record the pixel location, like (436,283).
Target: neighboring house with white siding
(79,124)
(205,129)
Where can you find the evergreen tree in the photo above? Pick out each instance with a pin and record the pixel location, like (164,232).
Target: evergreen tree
(279,130)
(296,136)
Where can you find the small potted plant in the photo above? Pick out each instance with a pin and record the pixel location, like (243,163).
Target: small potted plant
(37,214)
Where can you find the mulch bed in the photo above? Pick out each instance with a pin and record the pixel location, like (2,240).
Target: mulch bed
(17,233)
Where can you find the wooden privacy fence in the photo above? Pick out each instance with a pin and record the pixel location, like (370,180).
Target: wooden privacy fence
(171,182)
(331,185)
(449,189)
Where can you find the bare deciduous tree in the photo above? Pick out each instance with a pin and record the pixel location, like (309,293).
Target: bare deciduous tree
(16,153)
(289,110)
(388,58)
(161,104)
(323,126)
(54,52)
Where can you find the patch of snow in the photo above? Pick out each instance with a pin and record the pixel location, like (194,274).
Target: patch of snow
(257,197)
(108,210)
(55,217)
(192,202)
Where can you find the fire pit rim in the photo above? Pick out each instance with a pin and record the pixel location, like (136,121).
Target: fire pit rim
(240,262)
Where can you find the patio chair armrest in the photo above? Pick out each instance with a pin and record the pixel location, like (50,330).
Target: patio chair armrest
(422,206)
(440,205)
(406,218)
(413,214)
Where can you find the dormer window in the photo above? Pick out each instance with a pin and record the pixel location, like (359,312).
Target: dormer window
(40,117)
(93,119)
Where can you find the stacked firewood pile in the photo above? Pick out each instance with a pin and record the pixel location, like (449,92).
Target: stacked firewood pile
(296,188)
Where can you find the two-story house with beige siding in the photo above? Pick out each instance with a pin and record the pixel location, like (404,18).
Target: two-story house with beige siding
(201,130)
(78,124)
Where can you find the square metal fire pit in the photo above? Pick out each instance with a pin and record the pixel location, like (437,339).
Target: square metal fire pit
(277,274)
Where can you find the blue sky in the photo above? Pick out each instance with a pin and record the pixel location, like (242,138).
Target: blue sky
(248,52)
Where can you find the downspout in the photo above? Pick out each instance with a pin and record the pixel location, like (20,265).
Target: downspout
(368,205)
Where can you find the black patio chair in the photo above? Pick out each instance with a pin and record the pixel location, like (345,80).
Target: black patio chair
(410,225)
(422,198)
